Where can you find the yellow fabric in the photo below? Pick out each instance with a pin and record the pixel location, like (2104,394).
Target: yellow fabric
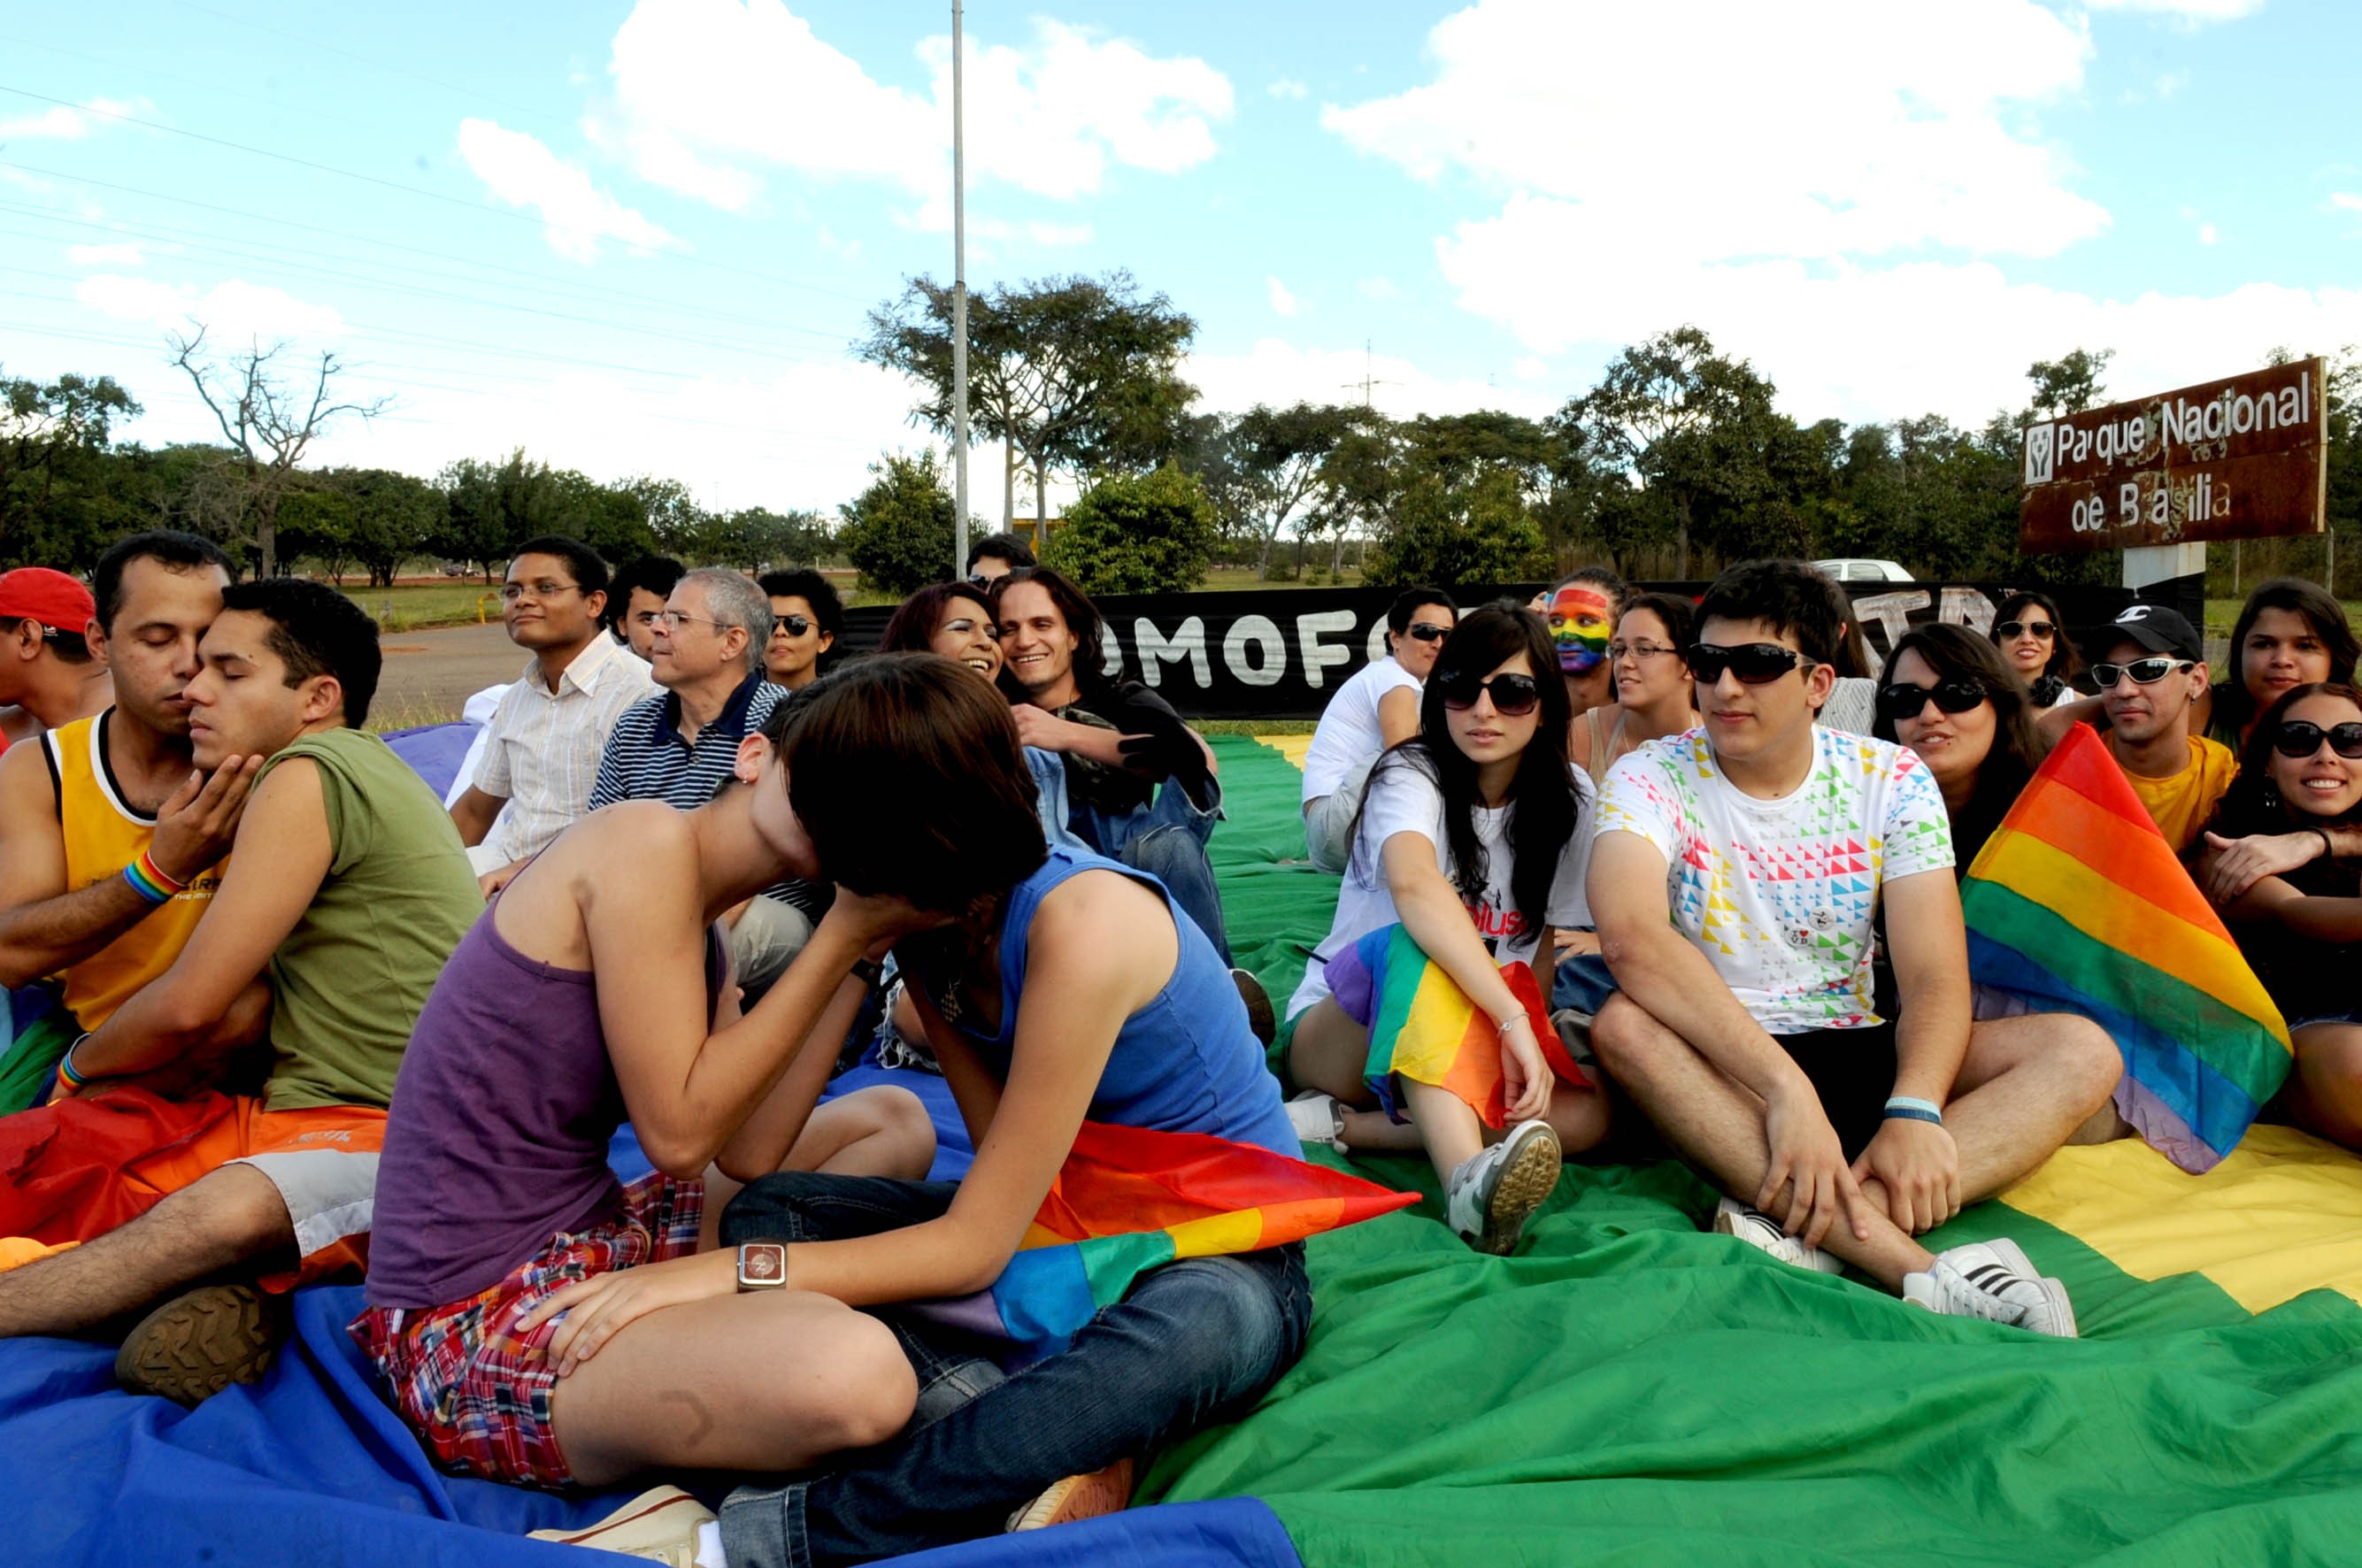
(103,834)
(1292,747)
(2181,804)
(16,1250)
(2281,1215)
(1217,1235)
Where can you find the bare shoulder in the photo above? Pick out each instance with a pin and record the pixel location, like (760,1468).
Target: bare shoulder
(25,782)
(1094,905)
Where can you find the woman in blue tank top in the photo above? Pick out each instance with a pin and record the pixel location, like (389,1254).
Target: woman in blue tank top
(1054,986)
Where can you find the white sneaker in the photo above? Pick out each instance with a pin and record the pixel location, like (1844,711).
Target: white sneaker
(1318,1119)
(1760,1231)
(1489,1198)
(659,1526)
(1993,1280)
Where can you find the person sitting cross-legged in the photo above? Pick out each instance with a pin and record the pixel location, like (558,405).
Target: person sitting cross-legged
(565,1010)
(1735,881)
(346,890)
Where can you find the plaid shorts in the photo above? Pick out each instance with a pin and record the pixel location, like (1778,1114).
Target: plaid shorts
(477,1391)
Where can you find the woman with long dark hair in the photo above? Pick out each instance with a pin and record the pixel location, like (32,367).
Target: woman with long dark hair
(2034,643)
(1472,838)
(1946,694)
(2301,771)
(952,620)
(2290,633)
(1655,697)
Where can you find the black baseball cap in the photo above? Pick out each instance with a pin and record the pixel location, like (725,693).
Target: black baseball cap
(2154,627)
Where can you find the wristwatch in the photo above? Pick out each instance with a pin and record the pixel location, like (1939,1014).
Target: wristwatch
(871,972)
(762,1266)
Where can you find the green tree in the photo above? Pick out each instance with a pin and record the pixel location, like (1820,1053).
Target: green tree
(393,517)
(1263,469)
(56,504)
(1478,534)
(898,532)
(755,538)
(1152,533)
(1075,375)
(2068,384)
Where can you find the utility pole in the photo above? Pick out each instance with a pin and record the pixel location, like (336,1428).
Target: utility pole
(1368,381)
(959,311)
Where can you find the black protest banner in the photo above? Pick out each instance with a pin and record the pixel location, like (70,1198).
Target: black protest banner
(1282,653)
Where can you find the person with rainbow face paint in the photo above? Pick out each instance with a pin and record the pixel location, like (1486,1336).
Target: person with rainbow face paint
(1581,619)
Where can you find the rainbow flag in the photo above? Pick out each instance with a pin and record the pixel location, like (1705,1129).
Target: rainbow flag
(1127,1200)
(1423,1027)
(2077,904)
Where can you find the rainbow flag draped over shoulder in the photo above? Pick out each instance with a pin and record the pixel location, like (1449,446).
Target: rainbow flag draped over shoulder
(1423,1027)
(2077,904)
(1127,1200)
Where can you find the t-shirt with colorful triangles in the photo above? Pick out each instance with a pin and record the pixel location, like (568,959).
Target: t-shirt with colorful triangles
(1780,895)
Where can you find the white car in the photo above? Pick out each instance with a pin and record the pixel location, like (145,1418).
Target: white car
(1858,568)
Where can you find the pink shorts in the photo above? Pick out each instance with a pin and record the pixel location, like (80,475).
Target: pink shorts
(476,1390)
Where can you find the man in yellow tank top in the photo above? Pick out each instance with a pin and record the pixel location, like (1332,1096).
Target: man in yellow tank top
(90,798)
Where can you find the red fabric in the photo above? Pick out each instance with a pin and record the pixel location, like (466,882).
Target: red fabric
(1118,1180)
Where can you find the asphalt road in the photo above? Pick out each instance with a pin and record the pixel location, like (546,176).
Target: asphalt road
(429,675)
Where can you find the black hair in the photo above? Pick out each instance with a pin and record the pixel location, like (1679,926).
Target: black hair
(2252,804)
(1410,601)
(657,574)
(1544,799)
(1001,547)
(813,589)
(2065,662)
(1678,613)
(168,547)
(2235,705)
(1605,578)
(71,648)
(912,627)
(1787,596)
(315,630)
(589,567)
(1955,653)
(1082,618)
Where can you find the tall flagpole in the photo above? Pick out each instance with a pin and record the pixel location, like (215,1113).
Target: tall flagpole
(959,310)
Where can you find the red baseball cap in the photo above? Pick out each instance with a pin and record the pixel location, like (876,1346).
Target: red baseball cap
(55,599)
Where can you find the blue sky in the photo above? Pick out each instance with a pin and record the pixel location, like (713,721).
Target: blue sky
(636,237)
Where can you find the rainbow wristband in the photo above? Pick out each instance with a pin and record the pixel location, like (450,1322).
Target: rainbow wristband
(1910,1108)
(66,1073)
(150,883)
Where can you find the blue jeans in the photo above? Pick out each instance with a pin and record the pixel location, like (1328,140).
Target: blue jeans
(1049,771)
(1167,839)
(1195,1342)
(1582,983)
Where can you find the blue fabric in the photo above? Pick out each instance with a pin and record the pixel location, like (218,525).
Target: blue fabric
(433,752)
(1187,1062)
(310,1465)
(1167,839)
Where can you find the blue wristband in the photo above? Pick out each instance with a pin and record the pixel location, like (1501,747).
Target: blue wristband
(1910,1108)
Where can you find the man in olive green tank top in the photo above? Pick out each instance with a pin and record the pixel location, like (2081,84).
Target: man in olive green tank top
(347,889)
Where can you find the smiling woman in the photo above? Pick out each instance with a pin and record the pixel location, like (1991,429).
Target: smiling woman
(1946,694)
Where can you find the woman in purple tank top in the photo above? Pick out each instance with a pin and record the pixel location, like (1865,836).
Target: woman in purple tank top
(593,990)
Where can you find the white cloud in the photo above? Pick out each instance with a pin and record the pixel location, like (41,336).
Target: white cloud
(707,92)
(2191,12)
(1288,87)
(2206,234)
(232,310)
(64,124)
(522,172)
(124,255)
(2345,202)
(1530,369)
(934,216)
(1282,301)
(1277,373)
(1379,288)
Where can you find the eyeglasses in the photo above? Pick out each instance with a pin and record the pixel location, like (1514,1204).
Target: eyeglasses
(1513,696)
(1903,700)
(1425,632)
(2302,737)
(1644,652)
(1755,664)
(513,592)
(2144,671)
(2042,629)
(673,619)
(965,627)
(794,626)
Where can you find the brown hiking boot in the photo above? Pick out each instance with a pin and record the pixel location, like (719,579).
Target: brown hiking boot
(1259,1017)
(201,1342)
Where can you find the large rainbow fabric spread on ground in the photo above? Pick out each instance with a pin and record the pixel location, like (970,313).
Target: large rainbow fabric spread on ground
(1423,1027)
(2077,904)
(1127,1200)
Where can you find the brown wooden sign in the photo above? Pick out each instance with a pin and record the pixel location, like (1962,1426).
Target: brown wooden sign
(2242,459)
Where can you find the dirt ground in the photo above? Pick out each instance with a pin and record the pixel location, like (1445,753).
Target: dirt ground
(429,675)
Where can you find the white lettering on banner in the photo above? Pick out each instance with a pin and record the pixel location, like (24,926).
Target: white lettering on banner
(1317,654)
(1892,611)
(1966,607)
(1110,648)
(1376,649)
(1188,642)
(1259,631)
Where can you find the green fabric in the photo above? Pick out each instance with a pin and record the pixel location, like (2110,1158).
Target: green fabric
(1627,1390)
(348,982)
(26,1067)
(1275,905)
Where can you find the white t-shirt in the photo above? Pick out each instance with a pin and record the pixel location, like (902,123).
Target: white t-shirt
(1348,735)
(1403,799)
(1780,894)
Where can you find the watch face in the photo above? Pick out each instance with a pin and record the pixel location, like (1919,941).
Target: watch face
(759,1265)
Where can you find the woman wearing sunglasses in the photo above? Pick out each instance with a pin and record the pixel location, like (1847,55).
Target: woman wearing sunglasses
(1946,695)
(2301,772)
(1471,837)
(2034,645)
(806,616)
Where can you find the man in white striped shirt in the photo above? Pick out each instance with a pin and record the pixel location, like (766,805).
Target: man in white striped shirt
(543,745)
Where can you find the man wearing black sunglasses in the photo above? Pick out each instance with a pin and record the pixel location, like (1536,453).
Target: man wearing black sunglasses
(2150,667)
(1735,882)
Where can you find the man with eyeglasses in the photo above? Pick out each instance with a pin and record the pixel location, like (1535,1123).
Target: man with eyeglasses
(1737,876)
(2150,668)
(543,745)
(1375,710)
